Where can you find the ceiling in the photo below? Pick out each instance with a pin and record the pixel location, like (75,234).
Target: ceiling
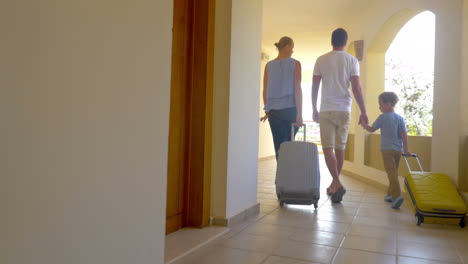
(309,15)
(309,23)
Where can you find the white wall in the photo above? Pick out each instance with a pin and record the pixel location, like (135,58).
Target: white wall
(464,90)
(265,138)
(447,75)
(464,100)
(447,91)
(243,105)
(87,104)
(221,72)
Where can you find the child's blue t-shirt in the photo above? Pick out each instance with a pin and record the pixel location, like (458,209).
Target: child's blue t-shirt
(391,126)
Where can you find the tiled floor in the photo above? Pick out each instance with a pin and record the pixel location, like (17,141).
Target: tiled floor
(362,229)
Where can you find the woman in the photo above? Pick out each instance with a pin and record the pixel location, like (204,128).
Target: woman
(282,94)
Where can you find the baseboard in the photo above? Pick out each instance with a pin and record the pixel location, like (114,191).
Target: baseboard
(238,218)
(365,180)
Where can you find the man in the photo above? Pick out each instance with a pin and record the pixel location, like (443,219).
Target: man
(337,69)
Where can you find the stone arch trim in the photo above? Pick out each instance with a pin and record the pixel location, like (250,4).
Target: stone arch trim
(375,64)
(390,29)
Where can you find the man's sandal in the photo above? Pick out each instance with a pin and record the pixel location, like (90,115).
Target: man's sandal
(337,197)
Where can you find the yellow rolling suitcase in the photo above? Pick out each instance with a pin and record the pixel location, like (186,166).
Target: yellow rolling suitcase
(434,197)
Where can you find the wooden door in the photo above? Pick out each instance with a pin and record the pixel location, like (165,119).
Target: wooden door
(189,153)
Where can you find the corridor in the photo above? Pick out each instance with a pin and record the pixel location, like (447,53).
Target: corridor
(362,229)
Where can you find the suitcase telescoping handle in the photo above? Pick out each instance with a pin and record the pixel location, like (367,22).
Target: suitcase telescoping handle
(293,125)
(407,164)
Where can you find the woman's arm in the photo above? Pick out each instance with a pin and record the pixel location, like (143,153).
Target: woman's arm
(298,92)
(265,85)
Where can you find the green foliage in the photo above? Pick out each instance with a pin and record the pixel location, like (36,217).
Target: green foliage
(415,91)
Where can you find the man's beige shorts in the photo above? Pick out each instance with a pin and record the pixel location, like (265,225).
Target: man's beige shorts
(334,127)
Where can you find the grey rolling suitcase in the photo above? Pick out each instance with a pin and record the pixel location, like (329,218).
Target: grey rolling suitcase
(298,172)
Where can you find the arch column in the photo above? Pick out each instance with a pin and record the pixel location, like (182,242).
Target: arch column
(447,82)
(373,73)
(445,139)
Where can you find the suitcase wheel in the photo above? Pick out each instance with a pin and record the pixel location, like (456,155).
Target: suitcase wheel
(462,222)
(315,205)
(420,219)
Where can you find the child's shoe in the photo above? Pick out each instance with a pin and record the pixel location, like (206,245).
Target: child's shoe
(396,203)
(388,198)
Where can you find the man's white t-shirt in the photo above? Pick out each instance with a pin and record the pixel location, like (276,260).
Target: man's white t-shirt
(336,69)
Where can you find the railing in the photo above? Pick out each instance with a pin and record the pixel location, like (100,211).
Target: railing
(313,133)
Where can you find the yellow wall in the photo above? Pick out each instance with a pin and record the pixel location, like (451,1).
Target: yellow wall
(85,109)
(464,163)
(349,151)
(418,145)
(236,97)
(221,73)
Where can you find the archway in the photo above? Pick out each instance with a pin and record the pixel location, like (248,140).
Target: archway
(409,72)
(375,84)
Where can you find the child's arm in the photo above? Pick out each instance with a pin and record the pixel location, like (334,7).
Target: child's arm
(368,128)
(377,124)
(404,137)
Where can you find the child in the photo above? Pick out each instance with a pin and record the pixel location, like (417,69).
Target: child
(393,140)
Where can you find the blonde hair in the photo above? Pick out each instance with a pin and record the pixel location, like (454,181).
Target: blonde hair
(283,42)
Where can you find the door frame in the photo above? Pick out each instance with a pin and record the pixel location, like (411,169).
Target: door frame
(191,112)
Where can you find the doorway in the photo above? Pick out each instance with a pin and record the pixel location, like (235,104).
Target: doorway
(189,154)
